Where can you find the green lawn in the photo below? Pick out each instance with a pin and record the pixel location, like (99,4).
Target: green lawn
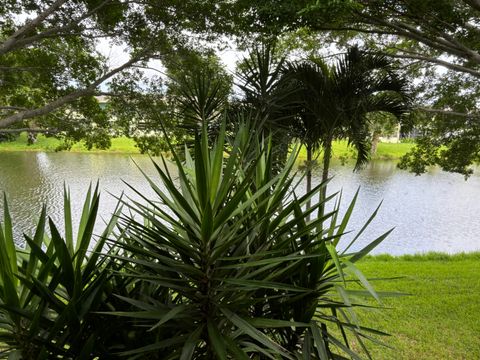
(385,151)
(441,318)
(119,145)
(341,152)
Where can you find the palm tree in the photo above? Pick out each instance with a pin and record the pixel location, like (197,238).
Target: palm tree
(267,98)
(334,102)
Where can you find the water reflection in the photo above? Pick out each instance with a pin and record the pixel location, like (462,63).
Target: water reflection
(434,212)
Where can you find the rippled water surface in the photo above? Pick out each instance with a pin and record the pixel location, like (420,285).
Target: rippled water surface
(437,211)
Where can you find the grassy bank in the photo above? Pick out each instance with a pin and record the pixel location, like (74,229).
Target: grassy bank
(441,319)
(385,151)
(119,145)
(125,145)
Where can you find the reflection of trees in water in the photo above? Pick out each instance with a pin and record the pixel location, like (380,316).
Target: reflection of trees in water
(26,183)
(33,178)
(380,171)
(439,204)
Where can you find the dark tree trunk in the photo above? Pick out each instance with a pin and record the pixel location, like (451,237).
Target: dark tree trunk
(309,174)
(327,154)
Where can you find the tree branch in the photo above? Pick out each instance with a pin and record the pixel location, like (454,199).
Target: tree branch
(14,42)
(444,63)
(89,90)
(29,25)
(448,112)
(12,108)
(16,131)
(412,33)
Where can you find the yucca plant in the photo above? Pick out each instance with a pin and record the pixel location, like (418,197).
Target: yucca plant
(50,289)
(227,266)
(222,264)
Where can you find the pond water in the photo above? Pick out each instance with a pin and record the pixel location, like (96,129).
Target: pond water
(437,211)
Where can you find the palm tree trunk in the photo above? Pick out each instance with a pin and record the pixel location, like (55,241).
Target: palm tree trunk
(309,174)
(375,141)
(327,154)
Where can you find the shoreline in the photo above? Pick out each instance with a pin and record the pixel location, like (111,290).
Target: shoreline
(126,146)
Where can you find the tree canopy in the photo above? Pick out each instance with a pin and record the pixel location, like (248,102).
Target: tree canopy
(432,41)
(50,65)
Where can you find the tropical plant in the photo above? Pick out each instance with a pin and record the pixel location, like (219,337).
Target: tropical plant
(229,266)
(334,102)
(267,97)
(221,264)
(199,87)
(50,289)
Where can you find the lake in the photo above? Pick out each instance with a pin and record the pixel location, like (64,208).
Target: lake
(437,211)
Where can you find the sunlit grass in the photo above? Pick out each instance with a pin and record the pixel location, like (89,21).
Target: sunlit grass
(119,145)
(385,151)
(341,151)
(441,317)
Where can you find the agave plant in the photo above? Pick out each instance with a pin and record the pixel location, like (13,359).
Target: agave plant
(227,266)
(50,289)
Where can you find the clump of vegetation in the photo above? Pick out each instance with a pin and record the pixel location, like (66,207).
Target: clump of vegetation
(223,264)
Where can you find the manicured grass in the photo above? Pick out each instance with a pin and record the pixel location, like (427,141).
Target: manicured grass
(341,152)
(441,317)
(385,151)
(119,145)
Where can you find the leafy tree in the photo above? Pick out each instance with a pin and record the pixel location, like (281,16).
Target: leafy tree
(49,61)
(50,68)
(426,37)
(139,109)
(421,34)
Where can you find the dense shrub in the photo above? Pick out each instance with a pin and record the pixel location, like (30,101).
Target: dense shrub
(223,263)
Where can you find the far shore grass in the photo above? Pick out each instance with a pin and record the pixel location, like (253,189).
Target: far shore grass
(124,145)
(439,319)
(120,145)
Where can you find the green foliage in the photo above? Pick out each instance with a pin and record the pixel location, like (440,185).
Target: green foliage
(438,46)
(222,263)
(449,137)
(50,290)
(338,102)
(51,66)
(267,97)
(196,89)
(229,265)
(199,88)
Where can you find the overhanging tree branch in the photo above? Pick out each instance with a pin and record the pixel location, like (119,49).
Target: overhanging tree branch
(437,61)
(89,90)
(16,41)
(36,131)
(448,112)
(9,43)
